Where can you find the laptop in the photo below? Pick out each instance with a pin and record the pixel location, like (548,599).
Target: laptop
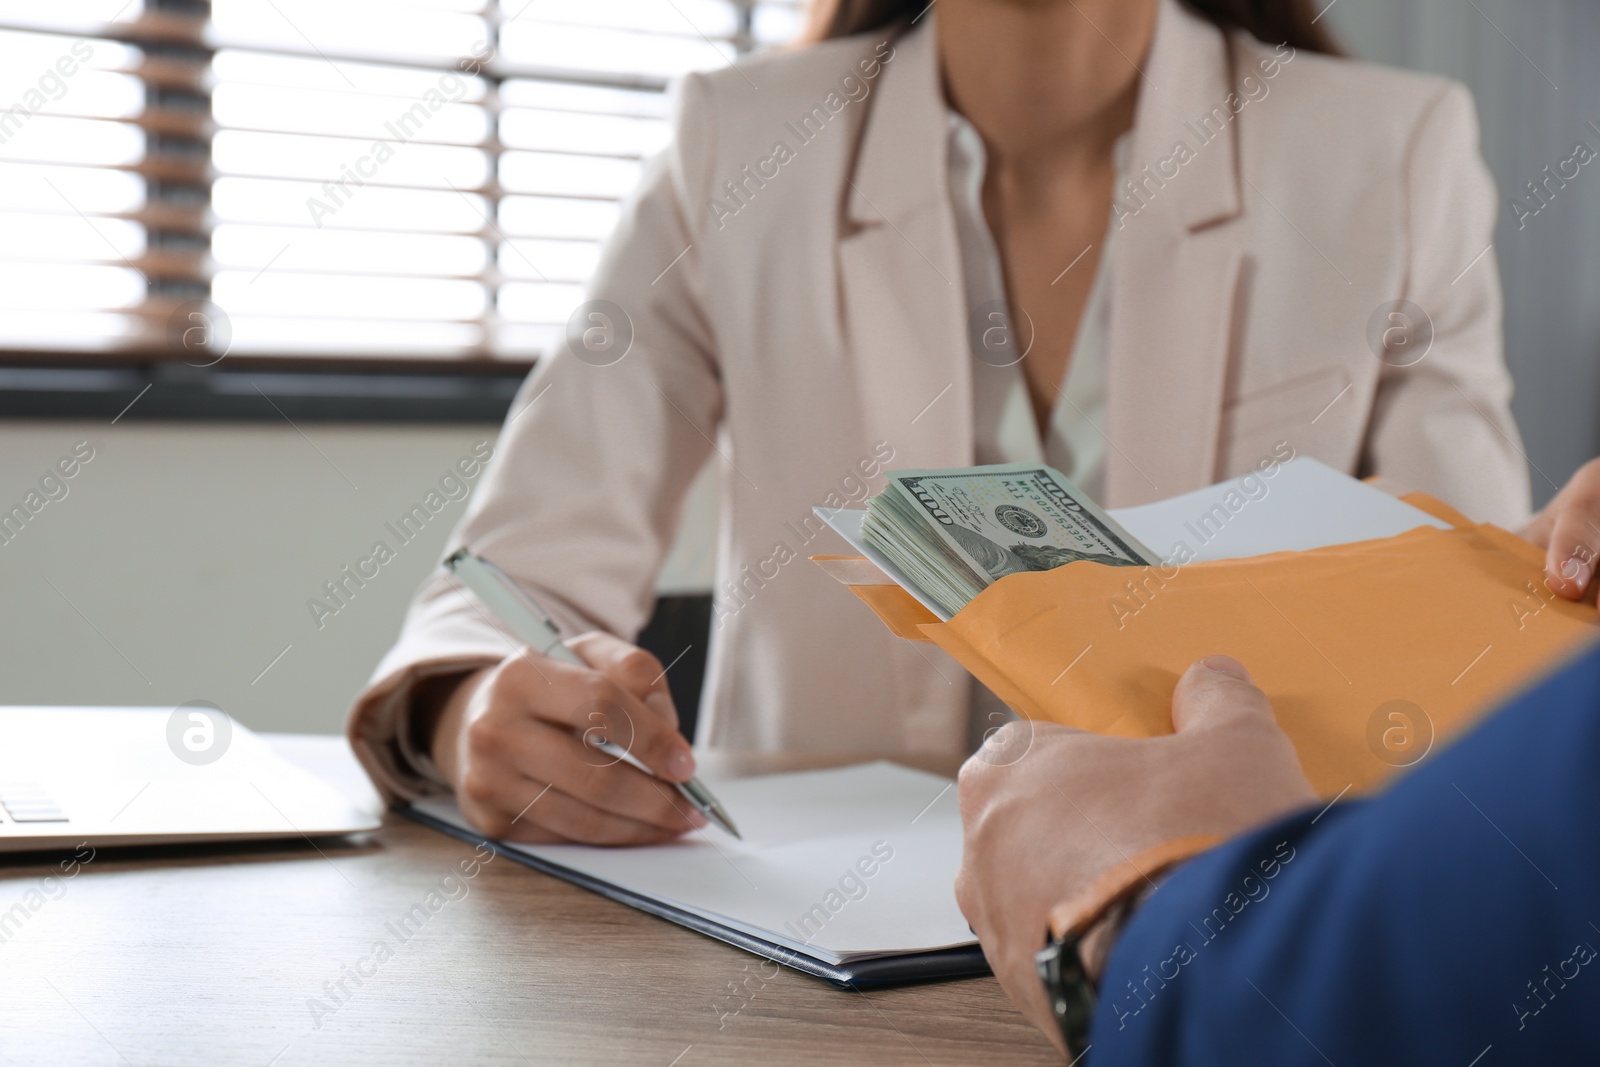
(109,776)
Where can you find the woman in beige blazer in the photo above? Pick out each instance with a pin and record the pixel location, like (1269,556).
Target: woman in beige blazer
(1201,236)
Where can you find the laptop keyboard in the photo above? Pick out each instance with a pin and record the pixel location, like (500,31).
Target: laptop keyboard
(27,802)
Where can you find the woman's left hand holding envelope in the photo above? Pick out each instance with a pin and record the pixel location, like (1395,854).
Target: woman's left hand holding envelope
(1568,529)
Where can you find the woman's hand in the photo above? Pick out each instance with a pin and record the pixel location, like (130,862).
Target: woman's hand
(516,741)
(1568,529)
(1039,829)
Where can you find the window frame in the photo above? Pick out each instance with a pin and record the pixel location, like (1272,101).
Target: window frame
(150,381)
(259,389)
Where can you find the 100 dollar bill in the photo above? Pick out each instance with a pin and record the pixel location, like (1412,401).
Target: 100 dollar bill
(959,530)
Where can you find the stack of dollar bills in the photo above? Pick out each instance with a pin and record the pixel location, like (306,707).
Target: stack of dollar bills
(953,532)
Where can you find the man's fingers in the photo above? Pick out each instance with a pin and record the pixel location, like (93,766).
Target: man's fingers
(631,667)
(1570,559)
(1215,690)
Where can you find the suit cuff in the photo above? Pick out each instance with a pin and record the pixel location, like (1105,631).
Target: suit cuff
(381,736)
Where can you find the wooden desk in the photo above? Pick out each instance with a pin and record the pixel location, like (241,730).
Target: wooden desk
(233,956)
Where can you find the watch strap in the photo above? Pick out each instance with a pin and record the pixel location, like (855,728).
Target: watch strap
(1108,898)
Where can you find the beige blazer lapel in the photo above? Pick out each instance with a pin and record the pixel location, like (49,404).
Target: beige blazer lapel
(901,293)
(1169,362)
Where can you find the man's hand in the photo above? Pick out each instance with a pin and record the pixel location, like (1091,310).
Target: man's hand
(515,741)
(1568,529)
(1040,829)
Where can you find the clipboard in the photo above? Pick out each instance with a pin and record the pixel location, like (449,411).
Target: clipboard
(879,972)
(844,873)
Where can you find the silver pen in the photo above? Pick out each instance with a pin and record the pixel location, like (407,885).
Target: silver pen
(507,601)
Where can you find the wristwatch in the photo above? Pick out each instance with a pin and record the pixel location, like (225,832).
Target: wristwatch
(1088,920)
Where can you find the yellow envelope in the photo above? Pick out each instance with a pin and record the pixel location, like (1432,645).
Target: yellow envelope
(1373,654)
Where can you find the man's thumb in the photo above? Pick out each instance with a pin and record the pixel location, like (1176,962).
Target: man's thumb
(1215,690)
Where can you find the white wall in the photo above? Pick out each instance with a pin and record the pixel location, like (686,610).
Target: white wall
(179,563)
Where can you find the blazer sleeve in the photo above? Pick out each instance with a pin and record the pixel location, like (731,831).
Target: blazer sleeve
(1453,914)
(1443,424)
(582,497)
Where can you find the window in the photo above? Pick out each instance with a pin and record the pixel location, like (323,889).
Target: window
(300,186)
(75,170)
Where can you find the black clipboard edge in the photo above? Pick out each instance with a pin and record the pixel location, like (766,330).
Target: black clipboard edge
(964,962)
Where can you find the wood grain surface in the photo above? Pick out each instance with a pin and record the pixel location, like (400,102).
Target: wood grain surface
(301,953)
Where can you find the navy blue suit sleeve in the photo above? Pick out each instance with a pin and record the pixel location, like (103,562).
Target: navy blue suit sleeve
(1453,919)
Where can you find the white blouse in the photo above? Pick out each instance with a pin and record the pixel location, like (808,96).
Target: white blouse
(1006,431)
